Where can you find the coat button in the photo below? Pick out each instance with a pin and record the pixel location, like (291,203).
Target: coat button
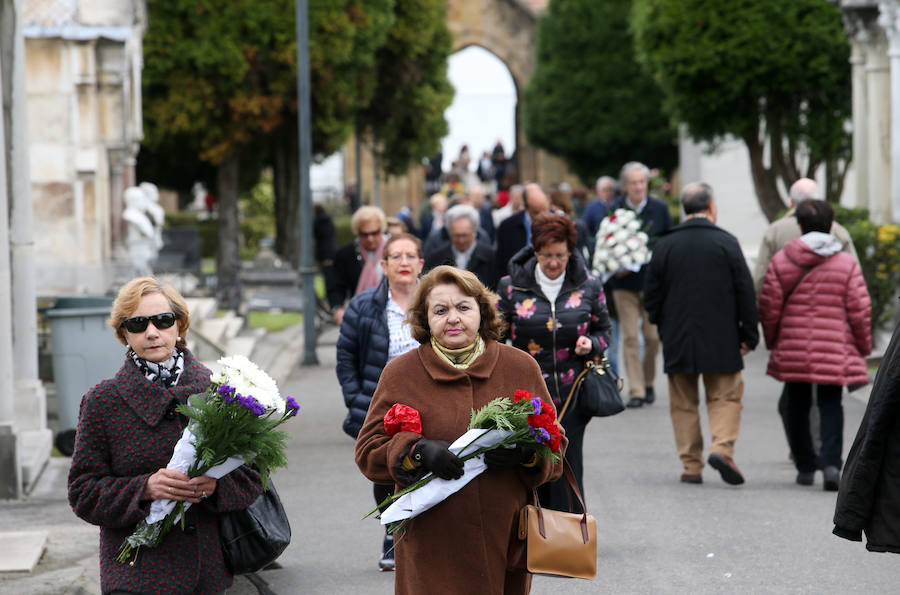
(190,529)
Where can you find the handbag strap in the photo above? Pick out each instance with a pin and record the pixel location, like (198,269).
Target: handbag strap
(575,385)
(573,485)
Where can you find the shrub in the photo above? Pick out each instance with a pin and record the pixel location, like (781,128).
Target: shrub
(879,258)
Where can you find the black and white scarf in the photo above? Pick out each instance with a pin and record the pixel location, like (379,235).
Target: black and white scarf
(164,373)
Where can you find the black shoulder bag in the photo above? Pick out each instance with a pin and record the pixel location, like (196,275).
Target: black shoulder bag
(253,538)
(596,391)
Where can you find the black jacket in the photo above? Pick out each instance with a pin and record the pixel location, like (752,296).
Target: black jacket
(579,309)
(348,265)
(511,237)
(699,292)
(655,221)
(362,352)
(481,262)
(870,486)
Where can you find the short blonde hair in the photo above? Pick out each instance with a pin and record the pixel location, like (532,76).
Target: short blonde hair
(491,327)
(368,214)
(129,297)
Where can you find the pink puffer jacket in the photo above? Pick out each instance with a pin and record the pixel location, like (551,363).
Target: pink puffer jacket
(820,331)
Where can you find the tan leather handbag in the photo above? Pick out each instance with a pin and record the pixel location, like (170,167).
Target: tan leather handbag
(555,542)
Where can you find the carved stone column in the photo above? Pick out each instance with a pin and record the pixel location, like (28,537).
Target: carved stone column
(889,20)
(878,152)
(859,38)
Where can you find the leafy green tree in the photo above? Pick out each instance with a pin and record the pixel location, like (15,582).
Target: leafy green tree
(406,112)
(221,76)
(589,101)
(774,74)
(344,36)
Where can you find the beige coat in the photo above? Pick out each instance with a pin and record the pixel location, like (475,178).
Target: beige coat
(460,545)
(783,231)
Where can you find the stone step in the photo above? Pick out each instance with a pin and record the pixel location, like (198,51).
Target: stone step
(201,308)
(21,550)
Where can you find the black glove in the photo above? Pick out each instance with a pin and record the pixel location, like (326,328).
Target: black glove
(504,458)
(434,456)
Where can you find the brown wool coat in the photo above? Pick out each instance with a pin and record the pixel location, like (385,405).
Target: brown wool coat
(126,432)
(460,545)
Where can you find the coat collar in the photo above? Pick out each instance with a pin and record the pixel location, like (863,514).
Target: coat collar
(522,265)
(151,401)
(441,372)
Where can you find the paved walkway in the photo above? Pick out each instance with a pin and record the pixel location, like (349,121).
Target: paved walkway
(656,535)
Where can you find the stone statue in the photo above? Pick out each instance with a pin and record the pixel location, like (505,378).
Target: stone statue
(154,210)
(140,237)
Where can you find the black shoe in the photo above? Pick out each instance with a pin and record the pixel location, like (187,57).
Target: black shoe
(832,479)
(726,468)
(635,402)
(691,478)
(805,478)
(649,396)
(386,564)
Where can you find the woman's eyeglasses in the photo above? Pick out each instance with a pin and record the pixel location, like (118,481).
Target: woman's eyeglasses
(138,324)
(562,257)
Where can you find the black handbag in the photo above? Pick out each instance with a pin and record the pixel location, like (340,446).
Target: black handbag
(253,538)
(596,391)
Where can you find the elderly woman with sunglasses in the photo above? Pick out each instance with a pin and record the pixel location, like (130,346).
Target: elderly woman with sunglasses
(127,429)
(557,313)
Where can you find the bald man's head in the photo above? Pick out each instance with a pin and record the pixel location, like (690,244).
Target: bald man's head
(803,189)
(536,202)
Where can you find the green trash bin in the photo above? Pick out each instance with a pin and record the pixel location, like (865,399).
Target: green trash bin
(85,351)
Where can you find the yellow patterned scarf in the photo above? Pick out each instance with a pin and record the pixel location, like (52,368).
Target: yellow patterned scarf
(460,358)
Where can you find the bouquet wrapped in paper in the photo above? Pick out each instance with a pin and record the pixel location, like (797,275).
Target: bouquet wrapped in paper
(620,245)
(503,423)
(230,424)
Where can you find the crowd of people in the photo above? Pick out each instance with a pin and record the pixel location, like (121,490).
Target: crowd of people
(483,300)
(695,299)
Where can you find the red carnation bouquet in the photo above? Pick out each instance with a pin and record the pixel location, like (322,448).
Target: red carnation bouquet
(502,423)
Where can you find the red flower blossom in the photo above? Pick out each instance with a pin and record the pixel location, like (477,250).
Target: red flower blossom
(521,394)
(402,418)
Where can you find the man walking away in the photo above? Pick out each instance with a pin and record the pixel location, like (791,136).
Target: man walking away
(700,294)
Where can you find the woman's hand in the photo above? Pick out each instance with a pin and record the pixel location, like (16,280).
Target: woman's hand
(437,458)
(583,346)
(169,484)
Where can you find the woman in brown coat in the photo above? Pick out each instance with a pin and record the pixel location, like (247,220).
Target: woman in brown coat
(460,545)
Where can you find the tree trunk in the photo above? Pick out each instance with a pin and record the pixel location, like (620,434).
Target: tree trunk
(763,180)
(228,255)
(286,173)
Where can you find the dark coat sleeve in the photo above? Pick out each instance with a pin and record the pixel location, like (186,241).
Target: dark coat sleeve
(863,477)
(748,316)
(362,351)
(600,326)
(653,286)
(96,493)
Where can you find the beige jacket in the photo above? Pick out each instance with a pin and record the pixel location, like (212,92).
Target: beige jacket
(783,231)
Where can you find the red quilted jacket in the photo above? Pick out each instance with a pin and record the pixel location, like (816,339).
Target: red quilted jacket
(817,326)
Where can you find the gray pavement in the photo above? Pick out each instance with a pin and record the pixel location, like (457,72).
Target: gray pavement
(655,534)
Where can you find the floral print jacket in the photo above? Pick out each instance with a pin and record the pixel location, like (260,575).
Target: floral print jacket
(548,331)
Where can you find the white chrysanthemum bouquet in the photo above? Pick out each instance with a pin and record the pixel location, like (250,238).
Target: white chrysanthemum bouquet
(230,424)
(621,245)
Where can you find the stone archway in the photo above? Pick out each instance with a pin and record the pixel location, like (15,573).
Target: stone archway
(507,29)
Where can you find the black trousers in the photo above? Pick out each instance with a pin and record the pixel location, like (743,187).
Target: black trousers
(557,494)
(831,425)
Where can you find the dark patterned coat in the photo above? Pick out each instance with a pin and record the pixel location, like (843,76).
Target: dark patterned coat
(549,331)
(127,429)
(460,545)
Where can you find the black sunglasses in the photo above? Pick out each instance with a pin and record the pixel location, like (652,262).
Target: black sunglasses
(138,324)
